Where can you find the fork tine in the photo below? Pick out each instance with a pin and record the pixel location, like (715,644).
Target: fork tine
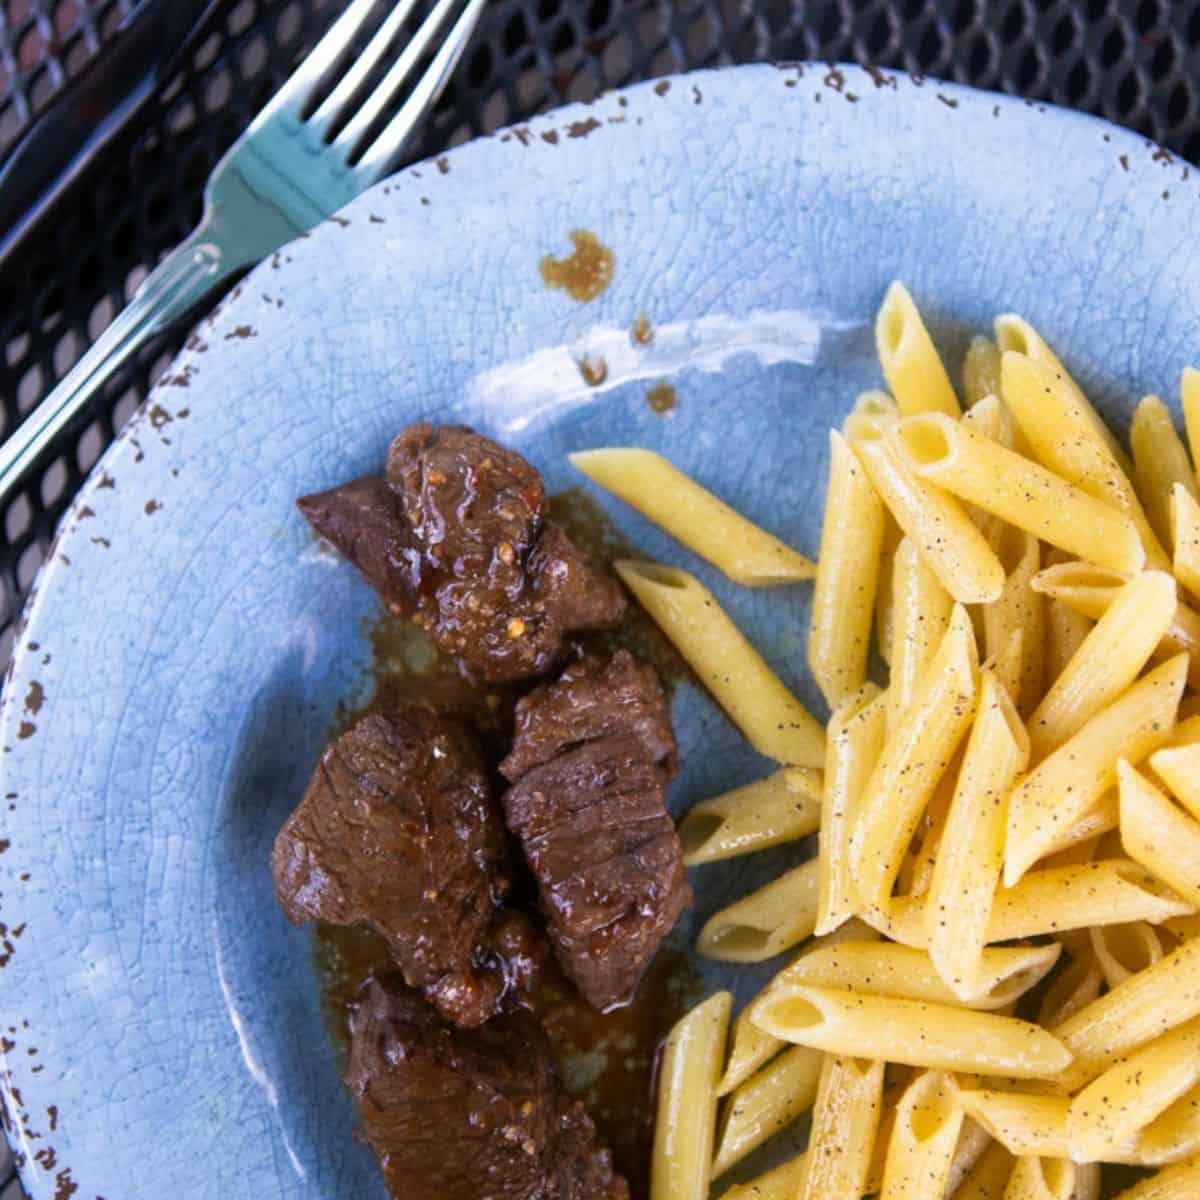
(386,148)
(319,61)
(336,103)
(350,139)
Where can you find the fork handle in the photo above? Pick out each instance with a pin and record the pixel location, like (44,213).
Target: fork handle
(188,274)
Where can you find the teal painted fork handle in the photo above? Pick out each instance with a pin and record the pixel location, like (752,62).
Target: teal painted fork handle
(185,277)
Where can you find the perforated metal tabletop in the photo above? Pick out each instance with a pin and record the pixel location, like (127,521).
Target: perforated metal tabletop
(137,191)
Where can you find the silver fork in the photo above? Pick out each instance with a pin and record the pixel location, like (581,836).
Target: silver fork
(288,171)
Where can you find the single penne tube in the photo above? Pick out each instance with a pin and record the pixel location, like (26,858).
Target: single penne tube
(980,371)
(885,588)
(1144,1007)
(896,1080)
(971,853)
(890,969)
(1179,768)
(922,854)
(1159,834)
(773,721)
(681,1166)
(1101,818)
(1189,394)
(765,923)
(781,1183)
(1115,1107)
(912,761)
(853,744)
(989,1177)
(750,1048)
(1107,662)
(1065,439)
(782,808)
(1174,1135)
(1057,899)
(924,1136)
(1025,1124)
(1185,511)
(1008,664)
(694,516)
(1077,985)
(1016,489)
(921,610)
(911,365)
(947,539)
(1180,1182)
(845,1121)
(1055,794)
(1160,461)
(1014,333)
(843,606)
(991,419)
(1018,610)
(1124,950)
(913,1032)
(1042,1179)
(765,1104)
(1065,632)
(1090,590)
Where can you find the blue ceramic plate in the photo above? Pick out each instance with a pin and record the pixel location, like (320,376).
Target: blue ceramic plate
(189,644)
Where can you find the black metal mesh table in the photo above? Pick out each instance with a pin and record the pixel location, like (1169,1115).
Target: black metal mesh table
(1134,61)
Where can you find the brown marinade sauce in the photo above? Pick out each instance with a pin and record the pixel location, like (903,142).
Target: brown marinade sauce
(586,274)
(662,398)
(607,1060)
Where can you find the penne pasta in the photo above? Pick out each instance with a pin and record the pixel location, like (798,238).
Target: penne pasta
(1101,818)
(990,419)
(956,552)
(782,1183)
(1183,928)
(1189,393)
(1055,900)
(1041,1179)
(844,1126)
(989,1177)
(980,371)
(921,610)
(1025,1124)
(1173,1136)
(1089,1181)
(924,1136)
(1019,610)
(1186,523)
(1159,834)
(765,1104)
(885,588)
(1018,335)
(782,808)
(1124,950)
(888,969)
(694,516)
(1181,1182)
(766,922)
(1067,783)
(1179,768)
(681,1167)
(912,762)
(954,457)
(914,1032)
(1115,1107)
(1067,438)
(1065,633)
(1107,662)
(843,608)
(1160,462)
(1077,985)
(854,741)
(973,1144)
(1090,590)
(971,855)
(773,721)
(911,365)
(1145,1006)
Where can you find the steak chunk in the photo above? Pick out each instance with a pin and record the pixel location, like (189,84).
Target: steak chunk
(590,762)
(399,831)
(469,1114)
(456,539)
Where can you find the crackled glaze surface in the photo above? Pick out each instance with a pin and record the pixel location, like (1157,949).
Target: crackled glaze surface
(188,645)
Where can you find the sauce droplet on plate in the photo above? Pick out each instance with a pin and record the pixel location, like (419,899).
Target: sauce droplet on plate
(662,398)
(588,271)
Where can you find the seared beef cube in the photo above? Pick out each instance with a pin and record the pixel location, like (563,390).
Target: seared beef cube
(399,831)
(478,1114)
(592,756)
(456,539)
